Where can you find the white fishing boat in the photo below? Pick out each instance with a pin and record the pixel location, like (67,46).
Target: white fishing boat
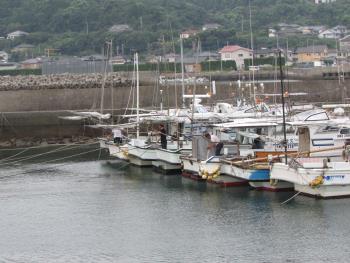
(140,153)
(316,176)
(199,166)
(168,160)
(118,151)
(324,132)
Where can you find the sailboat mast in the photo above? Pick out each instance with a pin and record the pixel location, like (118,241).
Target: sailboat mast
(252,47)
(283,108)
(106,64)
(137,96)
(182,73)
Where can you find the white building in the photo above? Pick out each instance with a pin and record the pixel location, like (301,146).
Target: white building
(236,53)
(333,33)
(188,33)
(272,32)
(212,26)
(324,1)
(17,33)
(119,28)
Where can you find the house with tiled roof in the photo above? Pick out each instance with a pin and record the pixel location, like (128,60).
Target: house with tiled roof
(312,53)
(189,33)
(16,34)
(236,53)
(33,63)
(344,47)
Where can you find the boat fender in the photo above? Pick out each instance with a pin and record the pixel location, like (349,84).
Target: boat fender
(125,153)
(206,175)
(317,181)
(273,182)
(270,158)
(182,166)
(346,154)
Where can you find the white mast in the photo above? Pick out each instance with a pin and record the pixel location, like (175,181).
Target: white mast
(137,96)
(182,73)
(252,47)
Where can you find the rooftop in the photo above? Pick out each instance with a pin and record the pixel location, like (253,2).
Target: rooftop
(233,48)
(312,49)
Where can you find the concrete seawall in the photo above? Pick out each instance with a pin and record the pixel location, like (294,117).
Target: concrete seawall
(33,106)
(89,98)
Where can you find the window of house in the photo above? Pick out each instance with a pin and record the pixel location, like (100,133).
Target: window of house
(240,55)
(227,55)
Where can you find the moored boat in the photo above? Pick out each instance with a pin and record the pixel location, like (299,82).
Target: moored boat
(258,176)
(140,153)
(321,177)
(316,177)
(168,160)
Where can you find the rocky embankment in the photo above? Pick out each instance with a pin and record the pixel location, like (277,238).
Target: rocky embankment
(64,81)
(38,141)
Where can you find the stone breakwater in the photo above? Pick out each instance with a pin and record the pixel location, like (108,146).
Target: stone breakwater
(64,81)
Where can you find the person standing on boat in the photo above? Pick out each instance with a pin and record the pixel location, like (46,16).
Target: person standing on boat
(214,145)
(162,132)
(117,135)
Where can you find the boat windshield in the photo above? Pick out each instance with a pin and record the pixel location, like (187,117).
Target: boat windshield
(289,129)
(312,115)
(201,109)
(345,131)
(328,129)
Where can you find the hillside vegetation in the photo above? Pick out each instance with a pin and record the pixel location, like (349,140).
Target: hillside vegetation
(78,27)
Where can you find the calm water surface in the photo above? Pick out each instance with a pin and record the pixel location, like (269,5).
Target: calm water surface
(95,211)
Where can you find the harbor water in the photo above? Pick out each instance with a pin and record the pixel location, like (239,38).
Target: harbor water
(106,211)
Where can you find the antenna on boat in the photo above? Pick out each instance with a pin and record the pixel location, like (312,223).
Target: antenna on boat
(283,107)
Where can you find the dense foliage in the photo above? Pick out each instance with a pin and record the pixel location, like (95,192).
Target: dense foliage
(81,26)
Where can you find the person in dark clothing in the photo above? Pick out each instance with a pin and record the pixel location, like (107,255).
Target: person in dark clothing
(162,133)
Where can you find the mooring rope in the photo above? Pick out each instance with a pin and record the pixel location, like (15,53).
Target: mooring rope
(64,148)
(289,199)
(12,156)
(47,168)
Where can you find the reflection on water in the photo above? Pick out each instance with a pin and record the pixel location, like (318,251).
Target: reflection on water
(106,211)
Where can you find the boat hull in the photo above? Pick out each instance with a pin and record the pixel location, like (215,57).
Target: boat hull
(324,192)
(196,170)
(272,186)
(228,178)
(332,182)
(228,181)
(119,151)
(168,161)
(251,174)
(141,156)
